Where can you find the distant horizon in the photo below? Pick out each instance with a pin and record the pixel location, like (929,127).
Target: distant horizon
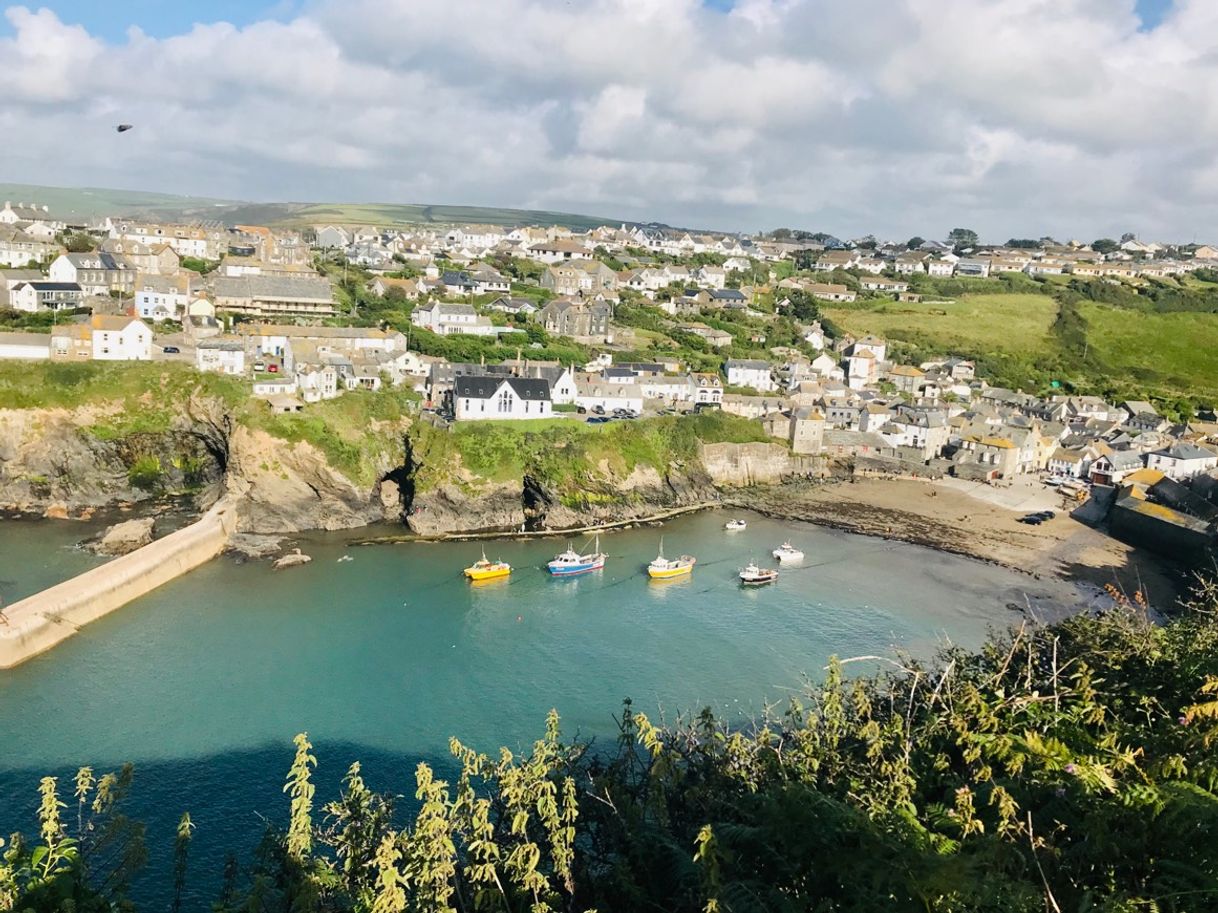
(7,186)
(1077,118)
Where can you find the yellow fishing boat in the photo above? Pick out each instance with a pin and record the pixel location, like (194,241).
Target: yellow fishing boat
(666,569)
(487,570)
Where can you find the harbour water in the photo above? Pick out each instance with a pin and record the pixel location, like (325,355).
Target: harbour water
(382,657)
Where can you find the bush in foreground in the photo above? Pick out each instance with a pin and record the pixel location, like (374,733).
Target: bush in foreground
(1069,768)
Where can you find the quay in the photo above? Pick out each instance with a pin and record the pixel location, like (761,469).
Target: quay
(39,622)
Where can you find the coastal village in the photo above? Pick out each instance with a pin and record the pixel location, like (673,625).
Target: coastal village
(619,323)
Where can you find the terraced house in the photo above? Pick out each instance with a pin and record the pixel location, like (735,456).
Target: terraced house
(275,295)
(581,277)
(97,273)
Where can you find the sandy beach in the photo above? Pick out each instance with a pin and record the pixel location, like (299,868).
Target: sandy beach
(979,520)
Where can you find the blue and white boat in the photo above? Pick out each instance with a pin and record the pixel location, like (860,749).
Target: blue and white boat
(571,562)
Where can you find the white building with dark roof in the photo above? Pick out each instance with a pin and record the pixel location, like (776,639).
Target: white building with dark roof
(479,396)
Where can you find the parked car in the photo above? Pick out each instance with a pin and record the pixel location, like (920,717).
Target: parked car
(171,350)
(581,410)
(598,409)
(599,420)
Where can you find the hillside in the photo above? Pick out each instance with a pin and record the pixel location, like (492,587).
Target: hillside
(92,202)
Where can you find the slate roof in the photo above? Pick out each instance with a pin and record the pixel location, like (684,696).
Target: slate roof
(481,386)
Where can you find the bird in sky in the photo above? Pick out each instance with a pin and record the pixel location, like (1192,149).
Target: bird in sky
(123,128)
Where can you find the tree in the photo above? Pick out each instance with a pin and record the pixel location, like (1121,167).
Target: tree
(962,237)
(78,242)
(1104,245)
(1023,244)
(915,242)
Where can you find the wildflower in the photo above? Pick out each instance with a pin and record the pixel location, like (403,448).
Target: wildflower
(1071,769)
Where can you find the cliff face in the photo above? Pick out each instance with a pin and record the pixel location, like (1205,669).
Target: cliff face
(66,462)
(282,487)
(470,504)
(69,461)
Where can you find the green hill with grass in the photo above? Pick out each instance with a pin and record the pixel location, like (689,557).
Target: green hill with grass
(84,203)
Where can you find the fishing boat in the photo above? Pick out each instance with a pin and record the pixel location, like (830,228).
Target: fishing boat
(571,562)
(734,526)
(669,568)
(487,570)
(788,552)
(752,575)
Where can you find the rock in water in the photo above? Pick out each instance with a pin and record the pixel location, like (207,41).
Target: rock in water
(293,559)
(124,537)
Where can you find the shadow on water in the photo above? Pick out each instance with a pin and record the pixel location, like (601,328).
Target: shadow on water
(232,798)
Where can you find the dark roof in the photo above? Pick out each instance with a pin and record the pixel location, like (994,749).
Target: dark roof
(54,286)
(481,386)
(728,294)
(452,277)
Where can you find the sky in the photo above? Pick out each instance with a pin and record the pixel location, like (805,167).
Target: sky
(1017,118)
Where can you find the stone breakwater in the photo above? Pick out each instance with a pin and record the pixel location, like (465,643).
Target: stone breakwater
(40,622)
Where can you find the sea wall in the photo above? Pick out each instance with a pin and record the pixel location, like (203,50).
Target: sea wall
(39,622)
(743,465)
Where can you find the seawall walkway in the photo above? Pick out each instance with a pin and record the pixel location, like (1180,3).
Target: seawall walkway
(41,621)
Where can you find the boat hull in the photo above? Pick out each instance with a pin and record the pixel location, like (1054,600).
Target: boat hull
(490,574)
(572,570)
(669,573)
(758,581)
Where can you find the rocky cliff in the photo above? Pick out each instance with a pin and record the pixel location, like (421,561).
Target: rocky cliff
(466,503)
(67,462)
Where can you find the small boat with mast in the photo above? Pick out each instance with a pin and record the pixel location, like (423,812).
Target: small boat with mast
(571,563)
(482,569)
(662,568)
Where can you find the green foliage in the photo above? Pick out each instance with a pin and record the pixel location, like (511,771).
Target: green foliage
(360,432)
(566,455)
(142,385)
(146,472)
(78,242)
(199,265)
(1064,768)
(962,237)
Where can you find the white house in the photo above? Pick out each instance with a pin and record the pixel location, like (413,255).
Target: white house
(97,273)
(38,296)
(610,396)
(162,297)
(557,251)
(28,346)
(491,397)
(120,338)
(221,354)
(1182,461)
(447,319)
(749,372)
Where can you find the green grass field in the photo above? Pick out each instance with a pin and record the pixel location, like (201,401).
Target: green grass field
(391,214)
(973,324)
(1174,351)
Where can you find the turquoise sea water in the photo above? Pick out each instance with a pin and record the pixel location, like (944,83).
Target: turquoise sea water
(381,658)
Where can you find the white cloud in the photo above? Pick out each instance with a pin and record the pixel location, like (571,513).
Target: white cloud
(1018,117)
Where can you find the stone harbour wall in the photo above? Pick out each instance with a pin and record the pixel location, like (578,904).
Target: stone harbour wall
(39,622)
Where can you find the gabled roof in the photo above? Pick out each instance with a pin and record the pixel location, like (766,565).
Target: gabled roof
(481,386)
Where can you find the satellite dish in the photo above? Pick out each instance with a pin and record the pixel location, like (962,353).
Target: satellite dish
(123,128)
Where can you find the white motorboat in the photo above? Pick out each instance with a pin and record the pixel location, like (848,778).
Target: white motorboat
(788,553)
(734,526)
(752,575)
